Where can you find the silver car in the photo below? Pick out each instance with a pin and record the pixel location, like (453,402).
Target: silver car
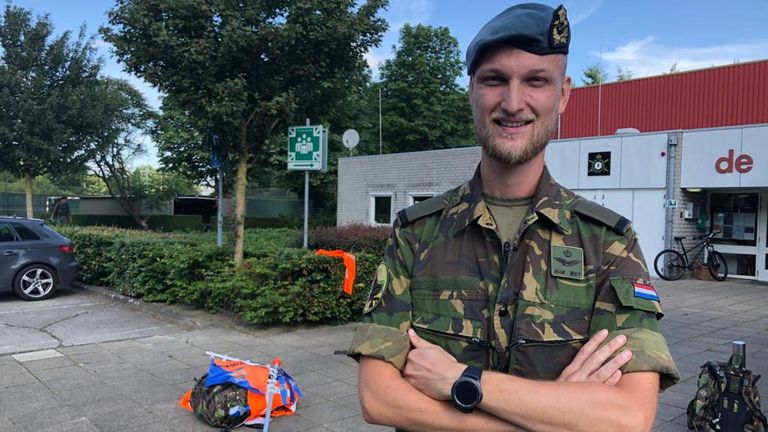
(34,259)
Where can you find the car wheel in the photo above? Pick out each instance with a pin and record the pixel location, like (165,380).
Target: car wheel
(35,282)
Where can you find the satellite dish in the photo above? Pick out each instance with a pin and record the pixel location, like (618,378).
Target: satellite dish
(350,138)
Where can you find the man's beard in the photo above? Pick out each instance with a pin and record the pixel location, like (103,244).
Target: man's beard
(513,156)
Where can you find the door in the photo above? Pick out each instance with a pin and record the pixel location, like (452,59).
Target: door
(9,255)
(761,264)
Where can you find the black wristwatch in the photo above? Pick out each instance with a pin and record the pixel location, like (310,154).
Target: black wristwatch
(466,392)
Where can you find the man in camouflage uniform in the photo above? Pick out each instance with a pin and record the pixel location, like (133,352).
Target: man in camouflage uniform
(513,274)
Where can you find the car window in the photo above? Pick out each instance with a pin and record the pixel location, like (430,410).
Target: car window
(24,232)
(6,235)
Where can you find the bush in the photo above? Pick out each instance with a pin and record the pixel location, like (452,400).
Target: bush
(351,238)
(152,266)
(297,286)
(276,285)
(259,242)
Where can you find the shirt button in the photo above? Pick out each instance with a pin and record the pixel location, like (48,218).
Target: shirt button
(503,311)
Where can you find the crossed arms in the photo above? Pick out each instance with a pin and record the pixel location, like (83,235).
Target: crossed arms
(591,394)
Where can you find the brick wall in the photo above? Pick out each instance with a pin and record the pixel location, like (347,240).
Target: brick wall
(682,226)
(399,174)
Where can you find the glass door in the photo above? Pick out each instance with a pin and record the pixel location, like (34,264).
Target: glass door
(762,239)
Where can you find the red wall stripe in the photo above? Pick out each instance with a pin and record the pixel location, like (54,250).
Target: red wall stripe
(720,96)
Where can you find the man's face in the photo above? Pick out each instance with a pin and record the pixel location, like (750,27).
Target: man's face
(516,98)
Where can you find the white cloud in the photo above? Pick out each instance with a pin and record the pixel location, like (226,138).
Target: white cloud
(374,59)
(408,11)
(579,14)
(100,43)
(646,57)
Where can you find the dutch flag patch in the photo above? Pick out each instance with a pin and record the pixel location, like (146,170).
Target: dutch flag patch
(646,292)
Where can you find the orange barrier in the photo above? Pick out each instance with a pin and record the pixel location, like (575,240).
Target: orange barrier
(349,265)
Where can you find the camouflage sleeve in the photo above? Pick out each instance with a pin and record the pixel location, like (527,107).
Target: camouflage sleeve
(628,304)
(383,332)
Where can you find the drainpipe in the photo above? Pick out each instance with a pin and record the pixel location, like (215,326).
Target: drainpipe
(672,139)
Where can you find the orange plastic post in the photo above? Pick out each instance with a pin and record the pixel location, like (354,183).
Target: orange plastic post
(349,266)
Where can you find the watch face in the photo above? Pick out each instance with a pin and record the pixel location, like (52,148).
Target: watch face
(466,392)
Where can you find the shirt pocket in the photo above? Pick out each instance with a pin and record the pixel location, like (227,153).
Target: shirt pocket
(451,313)
(551,328)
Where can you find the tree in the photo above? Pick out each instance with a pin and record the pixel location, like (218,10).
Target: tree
(245,70)
(120,116)
(156,188)
(623,74)
(43,82)
(186,148)
(423,107)
(673,68)
(594,74)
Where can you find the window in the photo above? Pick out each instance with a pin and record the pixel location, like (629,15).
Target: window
(419,197)
(381,209)
(6,235)
(24,232)
(735,216)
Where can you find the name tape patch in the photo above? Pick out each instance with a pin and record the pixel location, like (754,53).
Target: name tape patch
(567,262)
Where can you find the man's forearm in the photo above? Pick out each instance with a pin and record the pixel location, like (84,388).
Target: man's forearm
(387,399)
(574,406)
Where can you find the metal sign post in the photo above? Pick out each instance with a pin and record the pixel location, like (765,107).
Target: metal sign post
(307,151)
(216,163)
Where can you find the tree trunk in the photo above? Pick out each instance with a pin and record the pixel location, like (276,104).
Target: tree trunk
(140,222)
(28,194)
(240,187)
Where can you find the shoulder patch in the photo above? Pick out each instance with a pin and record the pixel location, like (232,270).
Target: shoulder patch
(618,223)
(419,210)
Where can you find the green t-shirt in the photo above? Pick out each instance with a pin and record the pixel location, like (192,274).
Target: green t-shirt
(508,213)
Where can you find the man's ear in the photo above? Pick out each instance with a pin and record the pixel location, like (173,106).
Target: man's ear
(565,94)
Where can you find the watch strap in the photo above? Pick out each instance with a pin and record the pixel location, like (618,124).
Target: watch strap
(473,372)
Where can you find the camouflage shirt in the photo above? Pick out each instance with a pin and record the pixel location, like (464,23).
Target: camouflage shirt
(524,307)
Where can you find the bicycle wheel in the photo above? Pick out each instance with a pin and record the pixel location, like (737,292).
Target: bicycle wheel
(669,264)
(718,268)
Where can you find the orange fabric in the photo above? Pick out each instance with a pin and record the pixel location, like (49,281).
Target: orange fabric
(185,400)
(349,265)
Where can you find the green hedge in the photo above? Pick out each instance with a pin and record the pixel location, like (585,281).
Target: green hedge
(276,285)
(355,237)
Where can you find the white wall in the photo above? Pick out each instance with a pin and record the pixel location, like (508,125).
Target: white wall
(637,161)
(644,207)
(703,149)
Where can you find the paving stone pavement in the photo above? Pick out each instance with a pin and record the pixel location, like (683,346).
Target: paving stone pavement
(135,384)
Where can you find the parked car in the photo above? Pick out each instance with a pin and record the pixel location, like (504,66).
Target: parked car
(35,260)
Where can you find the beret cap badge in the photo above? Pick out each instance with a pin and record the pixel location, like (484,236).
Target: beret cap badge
(560,30)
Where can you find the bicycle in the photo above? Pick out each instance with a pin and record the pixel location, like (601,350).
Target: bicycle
(671,265)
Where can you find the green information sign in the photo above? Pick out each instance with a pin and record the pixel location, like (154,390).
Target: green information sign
(307,148)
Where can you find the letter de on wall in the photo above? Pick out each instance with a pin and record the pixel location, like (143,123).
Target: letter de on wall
(725,158)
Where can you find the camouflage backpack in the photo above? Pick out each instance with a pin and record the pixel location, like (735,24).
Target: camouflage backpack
(221,405)
(727,399)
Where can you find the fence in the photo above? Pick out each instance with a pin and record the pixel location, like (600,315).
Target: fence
(14,204)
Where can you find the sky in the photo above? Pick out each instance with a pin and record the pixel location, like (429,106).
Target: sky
(645,37)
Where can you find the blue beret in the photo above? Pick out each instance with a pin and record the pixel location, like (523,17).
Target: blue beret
(533,27)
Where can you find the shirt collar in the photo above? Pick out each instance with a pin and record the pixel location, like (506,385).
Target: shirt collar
(550,201)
